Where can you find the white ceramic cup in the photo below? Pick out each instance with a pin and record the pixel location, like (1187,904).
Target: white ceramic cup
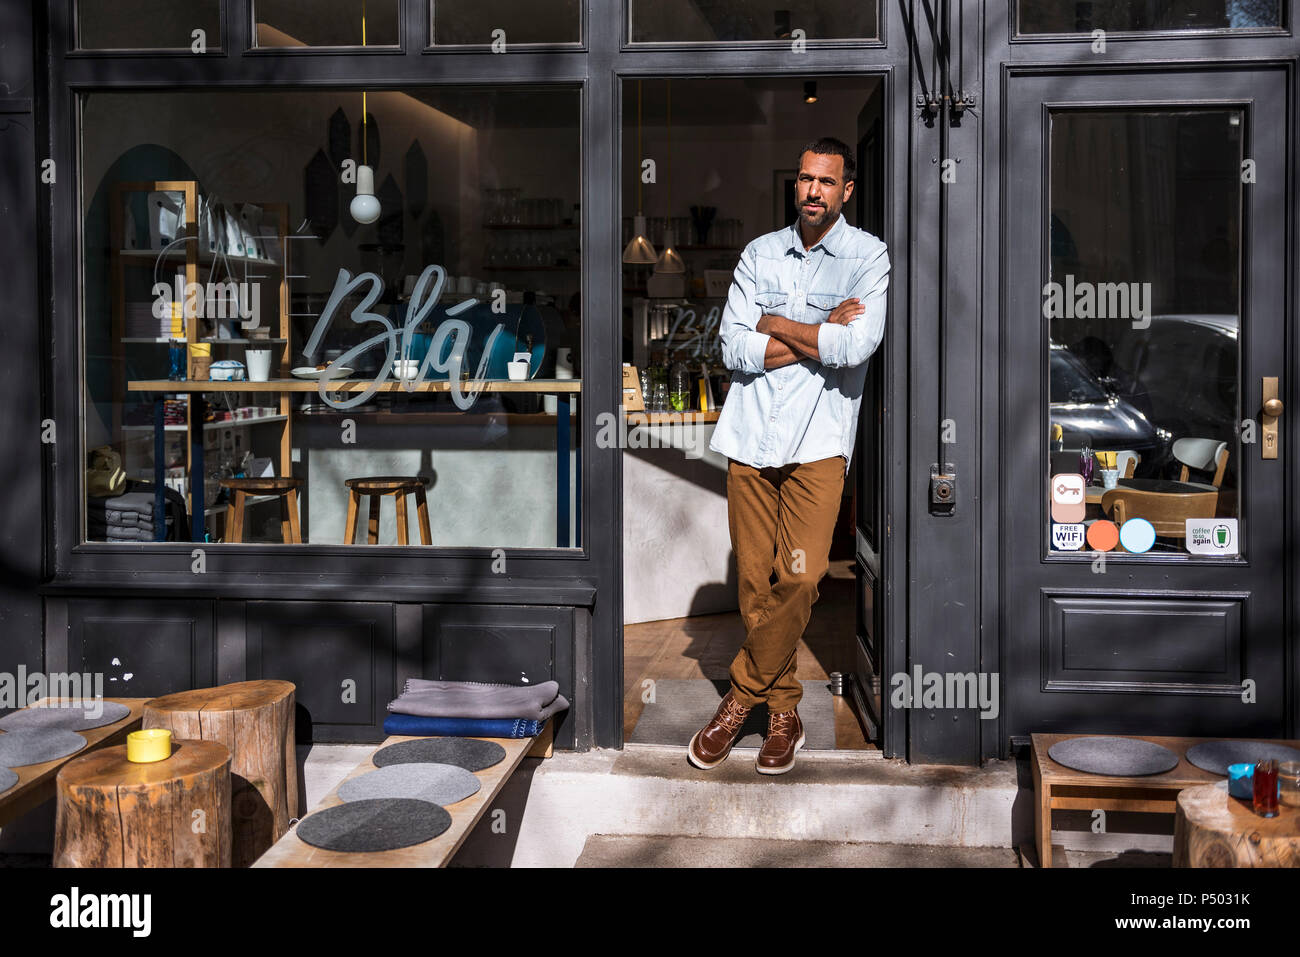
(405,368)
(465,285)
(518,371)
(259,364)
(1110,478)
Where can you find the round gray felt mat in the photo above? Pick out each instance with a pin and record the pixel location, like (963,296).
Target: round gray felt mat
(1122,757)
(20,748)
(436,783)
(1215,756)
(472,754)
(7,779)
(69,717)
(374,825)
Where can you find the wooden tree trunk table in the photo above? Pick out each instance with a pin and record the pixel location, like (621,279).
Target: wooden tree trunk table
(255,720)
(111,812)
(1214,829)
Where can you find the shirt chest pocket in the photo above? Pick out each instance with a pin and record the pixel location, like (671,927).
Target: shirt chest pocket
(820,306)
(771,299)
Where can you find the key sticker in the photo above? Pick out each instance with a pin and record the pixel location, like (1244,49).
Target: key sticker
(1069,504)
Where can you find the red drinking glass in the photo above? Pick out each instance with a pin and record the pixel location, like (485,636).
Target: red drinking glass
(1266,788)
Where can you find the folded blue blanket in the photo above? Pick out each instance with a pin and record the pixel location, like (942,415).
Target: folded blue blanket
(462,727)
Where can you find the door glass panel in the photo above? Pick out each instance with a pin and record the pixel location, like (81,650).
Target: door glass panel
(1120,16)
(1142,308)
(710,21)
(149,25)
(325,23)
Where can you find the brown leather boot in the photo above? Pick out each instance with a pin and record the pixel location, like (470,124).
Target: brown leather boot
(784,737)
(713,743)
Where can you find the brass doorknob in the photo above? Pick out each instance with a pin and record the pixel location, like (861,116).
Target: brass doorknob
(1273,407)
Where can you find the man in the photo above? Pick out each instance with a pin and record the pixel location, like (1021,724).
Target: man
(803,316)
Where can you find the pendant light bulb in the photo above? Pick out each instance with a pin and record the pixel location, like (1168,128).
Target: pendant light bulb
(670,261)
(364,206)
(639,251)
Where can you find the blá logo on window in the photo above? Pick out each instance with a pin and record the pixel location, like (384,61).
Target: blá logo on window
(1212,536)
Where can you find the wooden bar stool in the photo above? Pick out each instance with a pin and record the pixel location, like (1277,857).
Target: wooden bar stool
(286,488)
(398,486)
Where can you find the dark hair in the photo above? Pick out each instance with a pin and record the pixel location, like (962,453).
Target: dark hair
(829,145)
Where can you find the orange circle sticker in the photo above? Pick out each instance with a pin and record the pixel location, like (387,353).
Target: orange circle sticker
(1103,535)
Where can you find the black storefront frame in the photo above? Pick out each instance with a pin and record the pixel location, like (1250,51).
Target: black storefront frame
(248,573)
(915,629)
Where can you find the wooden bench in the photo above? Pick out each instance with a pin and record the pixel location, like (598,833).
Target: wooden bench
(1057,787)
(36,781)
(289,851)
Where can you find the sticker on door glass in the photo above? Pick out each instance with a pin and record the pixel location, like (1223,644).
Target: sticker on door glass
(1068,501)
(1137,535)
(1068,536)
(1103,535)
(1212,536)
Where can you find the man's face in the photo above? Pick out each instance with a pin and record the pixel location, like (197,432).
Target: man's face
(820,190)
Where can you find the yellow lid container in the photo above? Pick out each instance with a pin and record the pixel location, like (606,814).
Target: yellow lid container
(145,747)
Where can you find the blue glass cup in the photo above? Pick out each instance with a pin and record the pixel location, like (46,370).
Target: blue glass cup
(176,359)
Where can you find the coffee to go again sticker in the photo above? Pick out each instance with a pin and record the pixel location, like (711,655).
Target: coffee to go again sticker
(1212,536)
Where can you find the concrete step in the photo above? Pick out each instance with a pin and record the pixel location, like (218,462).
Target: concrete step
(605,850)
(550,808)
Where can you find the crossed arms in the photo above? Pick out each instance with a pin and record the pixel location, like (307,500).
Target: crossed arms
(753,341)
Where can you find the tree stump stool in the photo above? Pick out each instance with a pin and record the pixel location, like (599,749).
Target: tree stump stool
(1214,829)
(111,812)
(255,720)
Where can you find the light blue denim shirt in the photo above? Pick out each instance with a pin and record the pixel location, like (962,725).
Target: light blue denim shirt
(807,410)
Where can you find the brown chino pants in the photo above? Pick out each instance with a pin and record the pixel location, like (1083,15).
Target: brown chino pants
(781,521)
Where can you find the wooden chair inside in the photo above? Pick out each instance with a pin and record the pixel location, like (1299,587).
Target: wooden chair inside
(1166,511)
(398,486)
(1208,455)
(285,487)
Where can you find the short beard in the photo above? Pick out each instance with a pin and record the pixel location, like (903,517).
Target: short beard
(824,213)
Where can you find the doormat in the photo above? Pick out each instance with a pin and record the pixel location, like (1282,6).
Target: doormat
(65,717)
(1215,756)
(683,706)
(1117,757)
(7,779)
(436,783)
(374,825)
(472,754)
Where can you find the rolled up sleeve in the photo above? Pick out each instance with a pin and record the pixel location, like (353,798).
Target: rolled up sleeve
(743,348)
(853,343)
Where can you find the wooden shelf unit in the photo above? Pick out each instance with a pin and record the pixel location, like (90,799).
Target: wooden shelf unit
(188,253)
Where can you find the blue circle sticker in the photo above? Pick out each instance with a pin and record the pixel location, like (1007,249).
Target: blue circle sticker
(1137,535)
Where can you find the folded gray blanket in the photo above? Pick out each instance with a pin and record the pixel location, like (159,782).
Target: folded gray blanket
(141,503)
(476,699)
(116,517)
(118,534)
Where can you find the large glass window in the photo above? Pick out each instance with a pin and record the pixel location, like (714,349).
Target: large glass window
(1142,308)
(710,21)
(149,25)
(503,23)
(422,257)
(325,23)
(1125,16)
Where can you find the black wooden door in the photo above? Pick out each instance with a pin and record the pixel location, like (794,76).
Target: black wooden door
(1144,302)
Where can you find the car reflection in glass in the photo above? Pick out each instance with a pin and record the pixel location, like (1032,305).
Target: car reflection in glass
(1091,415)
